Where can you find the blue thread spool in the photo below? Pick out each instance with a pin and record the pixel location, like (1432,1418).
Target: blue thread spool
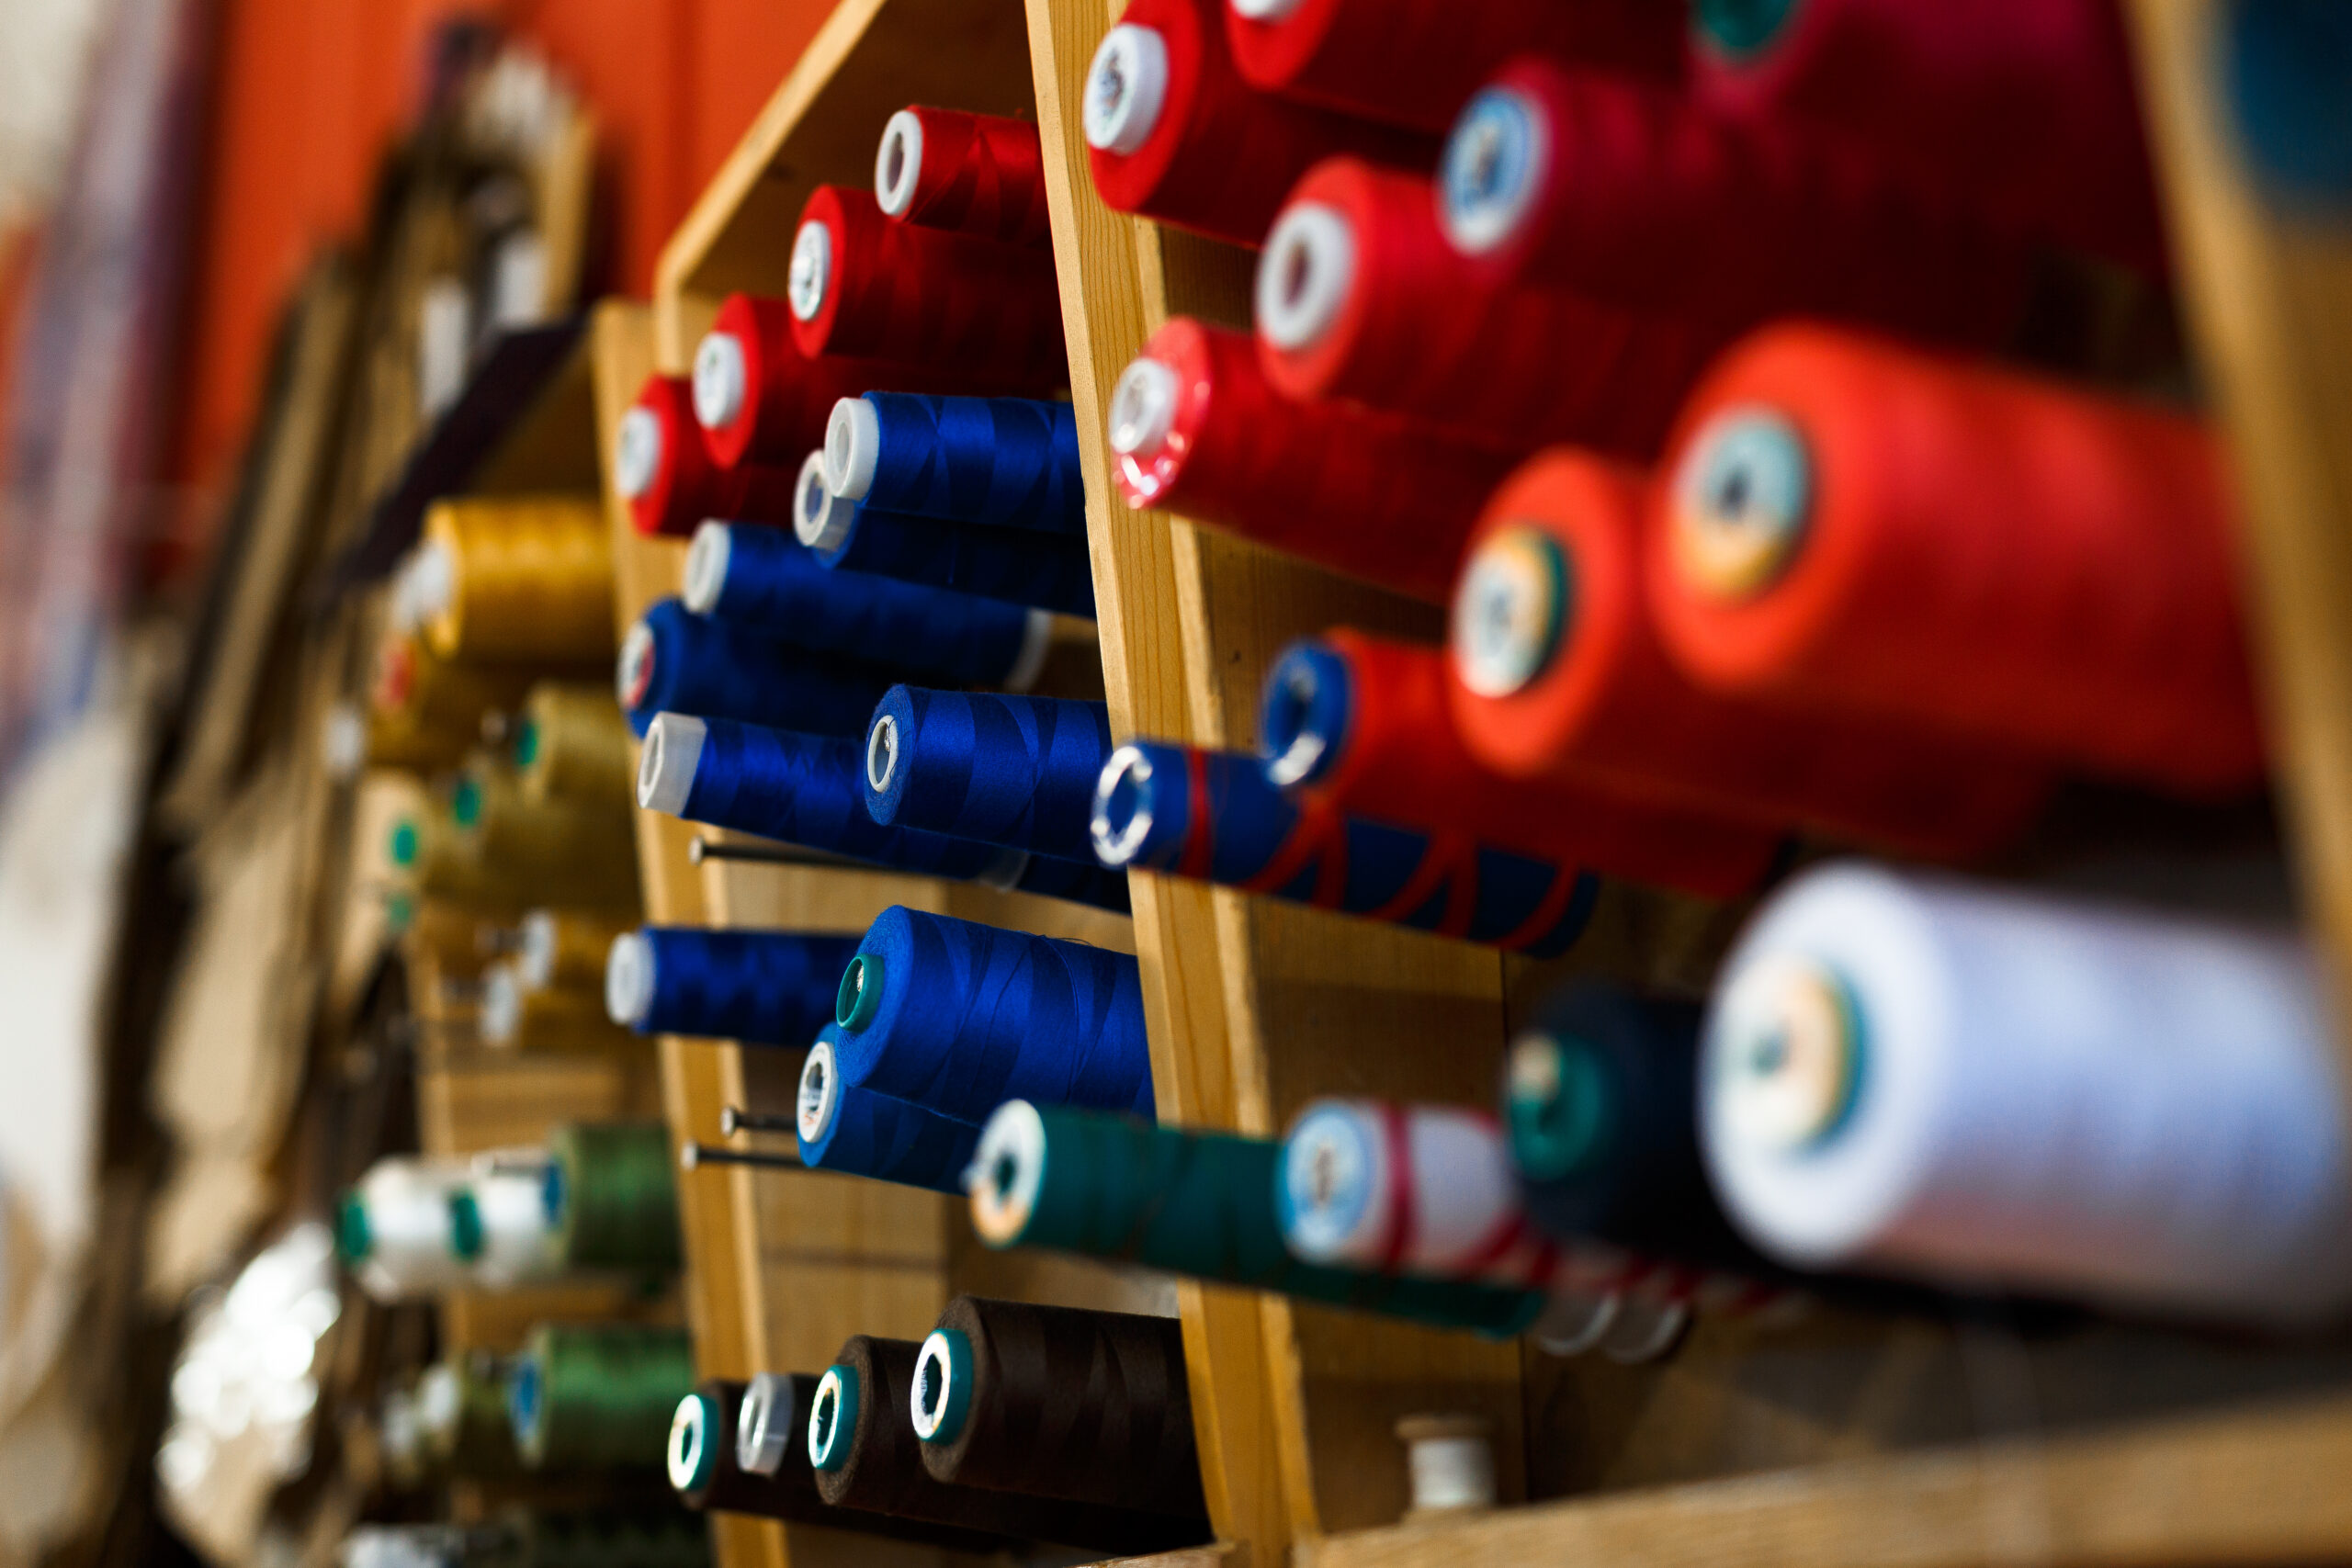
(1042,571)
(1215,816)
(859,1132)
(675,661)
(804,789)
(998,462)
(763,580)
(1013,770)
(758,987)
(962,1017)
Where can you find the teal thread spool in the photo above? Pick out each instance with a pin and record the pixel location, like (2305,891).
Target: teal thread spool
(612,1197)
(597,1396)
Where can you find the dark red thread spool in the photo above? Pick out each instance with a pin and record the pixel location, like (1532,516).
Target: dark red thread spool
(1557,672)
(1174,133)
(1854,526)
(1359,296)
(981,175)
(662,469)
(1412,62)
(865,287)
(1197,429)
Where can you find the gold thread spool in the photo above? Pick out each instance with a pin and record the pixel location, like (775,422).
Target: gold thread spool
(560,850)
(574,745)
(567,950)
(531,578)
(515,1018)
(444,864)
(446,934)
(443,698)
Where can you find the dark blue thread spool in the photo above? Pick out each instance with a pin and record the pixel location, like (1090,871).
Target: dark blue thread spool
(1215,816)
(994,462)
(962,1017)
(765,581)
(758,987)
(1013,770)
(675,661)
(1044,571)
(858,1132)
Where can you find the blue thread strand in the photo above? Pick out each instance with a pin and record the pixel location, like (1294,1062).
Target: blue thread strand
(889,1139)
(1042,571)
(759,987)
(718,669)
(1001,462)
(1013,771)
(971,1016)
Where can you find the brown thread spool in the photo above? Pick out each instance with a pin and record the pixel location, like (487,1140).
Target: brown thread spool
(529,579)
(561,850)
(574,745)
(1059,1401)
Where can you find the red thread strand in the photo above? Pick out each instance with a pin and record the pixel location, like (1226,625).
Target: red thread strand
(980,175)
(688,489)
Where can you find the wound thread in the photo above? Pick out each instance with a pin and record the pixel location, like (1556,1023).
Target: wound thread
(976,175)
(857,1132)
(572,745)
(530,581)
(597,1396)
(1015,567)
(998,462)
(553,849)
(676,661)
(756,988)
(612,1197)
(663,467)
(1017,772)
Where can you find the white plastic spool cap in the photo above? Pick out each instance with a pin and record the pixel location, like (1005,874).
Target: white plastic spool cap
(882,751)
(821,520)
(1142,408)
(1007,1170)
(1305,276)
(628,979)
(1122,818)
(708,556)
(500,1017)
(633,671)
(687,1441)
(1264,10)
(852,448)
(1452,1460)
(1036,641)
(1492,168)
(1126,87)
(534,949)
(343,744)
(1509,610)
(673,753)
(898,163)
(432,582)
(637,453)
(811,274)
(722,380)
(762,1424)
(821,1093)
(1333,1163)
(1790,1053)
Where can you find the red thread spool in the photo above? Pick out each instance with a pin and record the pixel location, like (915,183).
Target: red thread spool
(1359,296)
(1557,672)
(666,472)
(2032,102)
(866,287)
(1174,133)
(1856,527)
(1414,61)
(1634,195)
(981,175)
(1399,760)
(1195,429)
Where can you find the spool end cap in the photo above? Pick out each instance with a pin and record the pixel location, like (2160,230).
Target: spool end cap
(1008,1171)
(898,163)
(763,1429)
(1331,1167)
(1743,498)
(694,1456)
(673,753)
(859,997)
(832,1418)
(1303,721)
(707,558)
(1491,170)
(1510,610)
(1787,1054)
(820,1100)
(1126,88)
(1123,807)
(637,453)
(821,520)
(1142,408)
(941,1396)
(852,448)
(722,380)
(810,275)
(1305,276)
(629,979)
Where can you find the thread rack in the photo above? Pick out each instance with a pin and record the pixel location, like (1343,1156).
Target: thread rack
(1846,1442)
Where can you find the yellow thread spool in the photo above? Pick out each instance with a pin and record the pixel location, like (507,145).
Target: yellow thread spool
(529,578)
(572,744)
(447,935)
(561,850)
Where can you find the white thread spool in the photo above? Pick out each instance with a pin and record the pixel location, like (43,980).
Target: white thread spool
(518,1236)
(1450,1460)
(1913,1075)
(403,1205)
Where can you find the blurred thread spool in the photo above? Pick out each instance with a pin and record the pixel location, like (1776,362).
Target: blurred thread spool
(611,1538)
(515,1017)
(1060,1401)
(674,662)
(529,579)
(701,1460)
(663,468)
(857,1132)
(430,709)
(572,744)
(1173,132)
(564,851)
(861,285)
(565,950)
(1856,527)
(985,462)
(755,987)
(1630,194)
(460,1404)
(804,789)
(1412,62)
(447,867)
(1359,296)
(1362,723)
(765,581)
(1197,429)
(1018,566)
(614,1197)
(977,175)
(500,1226)
(393,1229)
(1017,772)
(1451,1463)
(1214,817)
(959,1017)
(1192,1202)
(447,935)
(1558,673)
(1933,1079)
(597,1396)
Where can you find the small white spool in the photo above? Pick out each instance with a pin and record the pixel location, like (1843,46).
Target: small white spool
(708,553)
(898,163)
(406,1205)
(852,448)
(1452,1461)
(628,979)
(637,453)
(722,380)
(665,775)
(518,1239)
(1126,89)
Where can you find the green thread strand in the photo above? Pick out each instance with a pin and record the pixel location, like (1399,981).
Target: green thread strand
(616,1197)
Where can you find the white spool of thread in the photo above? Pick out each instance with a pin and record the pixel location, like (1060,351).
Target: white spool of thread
(1913,1075)
(518,1239)
(1450,1460)
(404,1206)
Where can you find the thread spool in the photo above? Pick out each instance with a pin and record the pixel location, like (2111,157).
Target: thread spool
(564,950)
(995,462)
(663,469)
(1451,1463)
(861,285)
(1173,132)
(612,1196)
(1017,772)
(460,1405)
(1362,723)
(977,175)
(1059,1402)
(530,578)
(1855,527)
(1623,190)
(499,1223)
(1412,62)
(571,744)
(435,706)
(1016,567)
(765,581)
(1189,1201)
(771,1451)
(2032,104)
(755,987)
(1214,817)
(700,1458)
(515,1018)
(445,866)
(675,661)
(960,1017)
(1559,672)
(1359,296)
(597,1396)
(857,1132)
(393,1232)
(1197,429)
(559,849)
(1932,1079)
(804,789)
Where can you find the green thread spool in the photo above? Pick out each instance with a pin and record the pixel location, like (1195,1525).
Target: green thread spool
(666,1537)
(600,1396)
(461,1406)
(1191,1202)
(613,1197)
